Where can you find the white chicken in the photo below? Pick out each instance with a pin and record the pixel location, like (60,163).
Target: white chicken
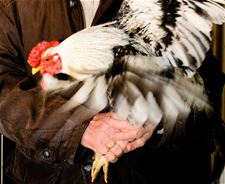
(142,65)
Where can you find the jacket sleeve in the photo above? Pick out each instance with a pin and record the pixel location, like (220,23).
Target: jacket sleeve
(29,116)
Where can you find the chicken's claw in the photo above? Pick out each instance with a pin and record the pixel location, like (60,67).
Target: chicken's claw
(99,162)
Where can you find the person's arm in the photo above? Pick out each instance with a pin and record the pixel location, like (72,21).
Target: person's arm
(27,115)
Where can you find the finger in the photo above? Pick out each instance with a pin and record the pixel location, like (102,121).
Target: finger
(135,144)
(138,142)
(111,143)
(117,150)
(110,156)
(102,150)
(104,145)
(125,135)
(123,145)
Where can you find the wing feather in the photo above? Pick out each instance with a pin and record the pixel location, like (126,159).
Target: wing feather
(177,29)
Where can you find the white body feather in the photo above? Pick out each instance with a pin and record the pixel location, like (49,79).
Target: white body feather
(89,52)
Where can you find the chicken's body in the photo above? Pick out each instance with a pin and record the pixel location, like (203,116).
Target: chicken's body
(138,65)
(97,41)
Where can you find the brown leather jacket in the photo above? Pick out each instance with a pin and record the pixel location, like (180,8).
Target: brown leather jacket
(27,116)
(48,149)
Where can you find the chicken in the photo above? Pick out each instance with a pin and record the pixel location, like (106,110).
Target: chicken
(143,65)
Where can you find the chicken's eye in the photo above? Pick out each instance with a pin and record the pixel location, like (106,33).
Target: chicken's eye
(47,59)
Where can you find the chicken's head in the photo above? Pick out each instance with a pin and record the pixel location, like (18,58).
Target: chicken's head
(42,59)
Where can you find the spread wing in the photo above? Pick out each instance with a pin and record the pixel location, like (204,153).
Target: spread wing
(178,30)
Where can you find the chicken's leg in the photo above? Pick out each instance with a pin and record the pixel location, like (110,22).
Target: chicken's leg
(99,161)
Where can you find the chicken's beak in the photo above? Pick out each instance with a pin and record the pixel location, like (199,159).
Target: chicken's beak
(35,70)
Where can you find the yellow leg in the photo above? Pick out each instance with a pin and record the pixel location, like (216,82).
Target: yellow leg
(105,170)
(99,162)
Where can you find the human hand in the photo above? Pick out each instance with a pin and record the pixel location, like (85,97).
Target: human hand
(111,136)
(97,137)
(135,136)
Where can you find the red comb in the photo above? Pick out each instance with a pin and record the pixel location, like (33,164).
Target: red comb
(34,58)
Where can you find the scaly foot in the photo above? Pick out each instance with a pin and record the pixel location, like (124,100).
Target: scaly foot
(99,162)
